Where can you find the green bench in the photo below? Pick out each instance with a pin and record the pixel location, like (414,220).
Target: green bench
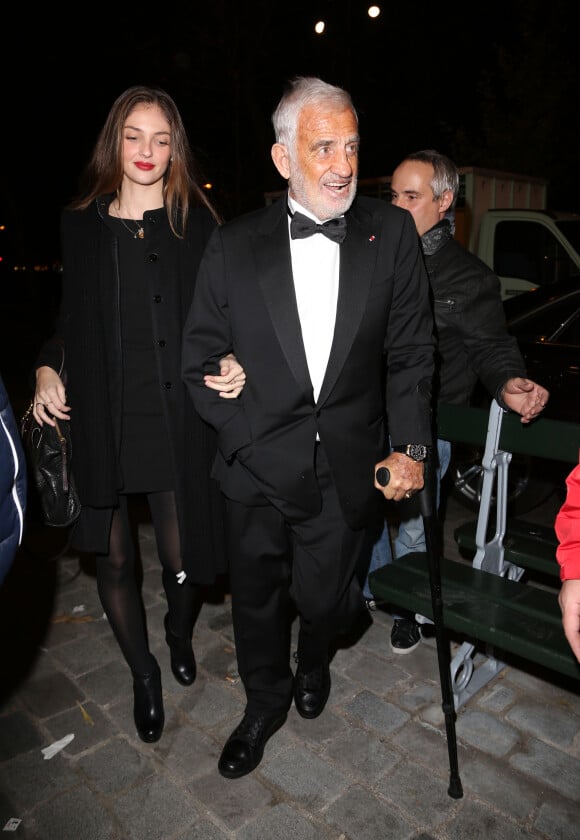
(488,602)
(527,545)
(507,614)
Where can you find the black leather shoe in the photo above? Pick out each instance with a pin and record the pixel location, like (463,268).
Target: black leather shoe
(244,748)
(183,664)
(311,690)
(148,708)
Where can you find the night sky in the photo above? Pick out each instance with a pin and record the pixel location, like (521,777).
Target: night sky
(500,92)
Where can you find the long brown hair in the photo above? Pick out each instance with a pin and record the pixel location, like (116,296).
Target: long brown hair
(104,171)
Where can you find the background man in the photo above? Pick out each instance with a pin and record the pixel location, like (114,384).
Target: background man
(472,338)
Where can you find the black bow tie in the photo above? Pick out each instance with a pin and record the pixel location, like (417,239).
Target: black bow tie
(302,226)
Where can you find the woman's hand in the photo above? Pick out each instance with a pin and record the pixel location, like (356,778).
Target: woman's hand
(49,397)
(231,380)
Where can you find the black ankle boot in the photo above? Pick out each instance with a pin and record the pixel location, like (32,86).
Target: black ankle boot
(148,708)
(182,658)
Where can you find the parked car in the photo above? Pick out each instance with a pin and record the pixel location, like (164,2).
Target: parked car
(546,323)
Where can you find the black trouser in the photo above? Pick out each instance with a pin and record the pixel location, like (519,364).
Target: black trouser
(276,566)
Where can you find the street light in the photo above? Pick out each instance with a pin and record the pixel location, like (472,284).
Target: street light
(372,11)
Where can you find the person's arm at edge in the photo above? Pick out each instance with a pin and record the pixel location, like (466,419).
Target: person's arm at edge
(567,527)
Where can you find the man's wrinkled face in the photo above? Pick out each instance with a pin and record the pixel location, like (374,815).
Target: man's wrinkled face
(322,170)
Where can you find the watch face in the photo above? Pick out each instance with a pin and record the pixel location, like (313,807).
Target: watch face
(417,451)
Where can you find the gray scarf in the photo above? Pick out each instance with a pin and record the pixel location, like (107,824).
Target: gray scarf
(436,237)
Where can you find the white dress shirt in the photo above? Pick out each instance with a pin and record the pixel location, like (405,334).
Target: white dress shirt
(315,268)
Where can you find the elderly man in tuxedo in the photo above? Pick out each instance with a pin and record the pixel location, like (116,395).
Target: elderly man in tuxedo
(311,294)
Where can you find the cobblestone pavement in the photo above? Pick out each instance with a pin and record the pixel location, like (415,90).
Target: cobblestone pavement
(374,765)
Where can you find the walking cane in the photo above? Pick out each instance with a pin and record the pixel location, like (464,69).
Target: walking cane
(427,500)
(428,504)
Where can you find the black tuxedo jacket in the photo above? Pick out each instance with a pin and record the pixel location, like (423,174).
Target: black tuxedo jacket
(245,303)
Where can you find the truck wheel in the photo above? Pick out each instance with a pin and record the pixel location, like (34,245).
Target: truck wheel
(528,486)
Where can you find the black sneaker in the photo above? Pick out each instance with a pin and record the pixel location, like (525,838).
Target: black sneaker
(405,635)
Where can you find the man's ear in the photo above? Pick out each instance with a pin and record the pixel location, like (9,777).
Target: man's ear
(280,158)
(446,201)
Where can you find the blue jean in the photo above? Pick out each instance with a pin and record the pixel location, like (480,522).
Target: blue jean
(411,534)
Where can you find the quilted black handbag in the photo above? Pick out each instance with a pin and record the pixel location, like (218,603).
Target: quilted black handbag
(49,454)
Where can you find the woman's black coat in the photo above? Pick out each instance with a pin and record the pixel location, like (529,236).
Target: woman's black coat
(89,325)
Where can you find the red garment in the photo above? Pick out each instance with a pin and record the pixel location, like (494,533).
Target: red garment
(567,527)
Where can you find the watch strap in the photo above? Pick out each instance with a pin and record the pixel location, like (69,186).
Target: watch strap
(416,451)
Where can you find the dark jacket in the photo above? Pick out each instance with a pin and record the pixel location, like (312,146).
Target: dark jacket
(472,338)
(245,302)
(89,324)
(13,484)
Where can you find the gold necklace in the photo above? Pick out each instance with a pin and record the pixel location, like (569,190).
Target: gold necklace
(136,234)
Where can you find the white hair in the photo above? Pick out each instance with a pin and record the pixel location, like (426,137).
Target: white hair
(303,91)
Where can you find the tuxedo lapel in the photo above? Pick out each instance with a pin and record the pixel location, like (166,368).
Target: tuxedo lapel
(272,247)
(358,255)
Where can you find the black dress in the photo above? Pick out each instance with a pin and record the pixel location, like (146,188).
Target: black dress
(144,453)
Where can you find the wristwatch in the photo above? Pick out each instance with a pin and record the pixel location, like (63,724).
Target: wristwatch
(416,451)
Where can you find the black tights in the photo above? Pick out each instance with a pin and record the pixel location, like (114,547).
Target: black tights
(120,589)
